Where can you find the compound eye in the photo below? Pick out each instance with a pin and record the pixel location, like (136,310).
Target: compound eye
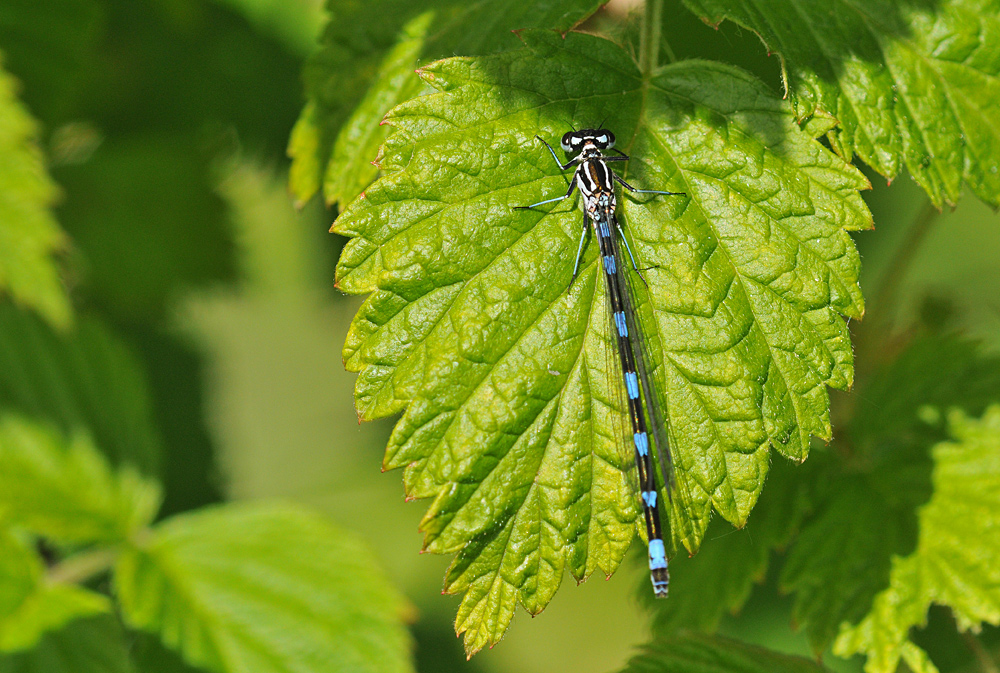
(611,139)
(567,141)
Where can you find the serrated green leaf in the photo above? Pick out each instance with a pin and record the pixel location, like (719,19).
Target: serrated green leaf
(19,571)
(865,507)
(351,168)
(841,559)
(262,589)
(914,84)
(30,605)
(939,371)
(92,645)
(955,560)
(65,490)
(502,364)
(369,50)
(707,654)
(29,234)
(80,380)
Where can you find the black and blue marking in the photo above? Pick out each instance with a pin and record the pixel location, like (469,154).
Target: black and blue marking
(596,183)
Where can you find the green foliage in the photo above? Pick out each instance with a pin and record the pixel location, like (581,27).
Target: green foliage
(910,83)
(954,563)
(80,379)
(841,520)
(137,258)
(365,66)
(30,235)
(704,654)
(235,588)
(500,362)
(262,588)
(719,580)
(31,604)
(90,645)
(66,491)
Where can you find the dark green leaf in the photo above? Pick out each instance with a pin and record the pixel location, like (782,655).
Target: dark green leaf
(83,380)
(955,560)
(912,83)
(718,581)
(934,371)
(866,501)
(502,364)
(145,216)
(29,235)
(263,588)
(842,557)
(66,491)
(351,168)
(369,50)
(93,645)
(51,47)
(713,654)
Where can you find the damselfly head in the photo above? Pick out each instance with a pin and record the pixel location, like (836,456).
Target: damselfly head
(575,141)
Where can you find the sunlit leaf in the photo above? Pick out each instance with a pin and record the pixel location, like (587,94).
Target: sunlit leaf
(365,66)
(65,490)
(954,563)
(913,84)
(31,605)
(501,363)
(263,588)
(29,234)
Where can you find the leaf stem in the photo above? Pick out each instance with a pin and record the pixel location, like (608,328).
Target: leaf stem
(650,38)
(986,663)
(83,566)
(886,295)
(872,335)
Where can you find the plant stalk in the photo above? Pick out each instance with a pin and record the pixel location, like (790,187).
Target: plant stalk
(986,662)
(650,38)
(886,295)
(884,299)
(83,566)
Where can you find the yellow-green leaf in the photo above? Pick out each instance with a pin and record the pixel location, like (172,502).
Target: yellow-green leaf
(955,563)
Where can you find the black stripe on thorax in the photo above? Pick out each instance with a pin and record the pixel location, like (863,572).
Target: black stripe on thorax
(594,176)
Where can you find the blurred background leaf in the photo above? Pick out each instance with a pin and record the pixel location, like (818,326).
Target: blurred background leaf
(258,587)
(84,379)
(91,645)
(30,235)
(954,563)
(32,604)
(702,654)
(65,491)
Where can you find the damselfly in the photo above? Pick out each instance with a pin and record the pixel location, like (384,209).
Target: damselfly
(596,183)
